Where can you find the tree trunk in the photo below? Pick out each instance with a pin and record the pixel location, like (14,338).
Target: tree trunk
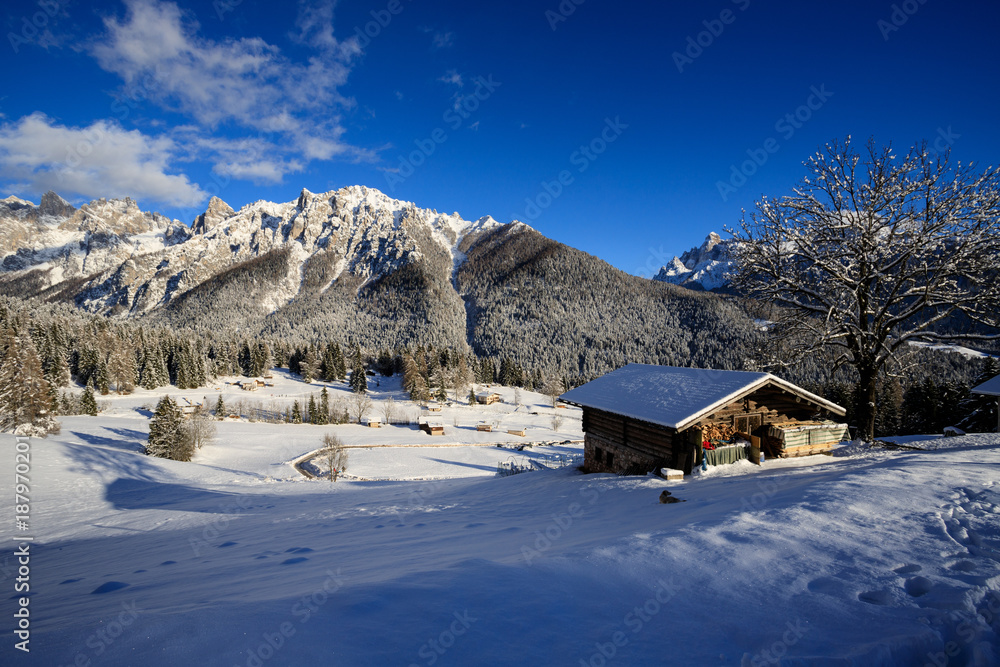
(865,402)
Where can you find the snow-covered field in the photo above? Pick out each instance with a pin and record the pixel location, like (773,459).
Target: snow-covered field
(870,557)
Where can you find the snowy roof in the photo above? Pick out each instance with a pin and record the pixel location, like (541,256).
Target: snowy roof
(989,388)
(676,397)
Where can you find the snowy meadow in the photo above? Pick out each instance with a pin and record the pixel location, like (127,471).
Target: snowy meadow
(423,556)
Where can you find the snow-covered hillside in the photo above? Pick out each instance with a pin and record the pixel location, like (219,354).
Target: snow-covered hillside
(870,557)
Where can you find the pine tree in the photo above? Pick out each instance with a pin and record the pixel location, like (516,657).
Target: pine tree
(25,394)
(324,407)
(101,380)
(296,413)
(328,367)
(309,366)
(313,416)
(359,382)
(88,404)
(166,432)
(340,363)
(220,408)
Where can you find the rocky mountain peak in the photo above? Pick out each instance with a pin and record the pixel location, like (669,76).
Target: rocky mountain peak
(54,206)
(216,212)
(706,267)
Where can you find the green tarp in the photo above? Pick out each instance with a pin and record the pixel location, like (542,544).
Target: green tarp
(728,454)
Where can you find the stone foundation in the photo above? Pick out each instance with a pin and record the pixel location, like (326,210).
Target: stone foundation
(597,450)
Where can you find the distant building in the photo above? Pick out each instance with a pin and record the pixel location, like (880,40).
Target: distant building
(488,398)
(991,388)
(432,427)
(640,418)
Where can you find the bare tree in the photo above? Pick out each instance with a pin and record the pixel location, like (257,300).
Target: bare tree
(361,404)
(553,389)
(873,252)
(199,428)
(517,397)
(556,422)
(389,410)
(334,455)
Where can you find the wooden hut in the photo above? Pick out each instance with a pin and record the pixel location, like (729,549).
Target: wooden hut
(488,398)
(432,427)
(641,417)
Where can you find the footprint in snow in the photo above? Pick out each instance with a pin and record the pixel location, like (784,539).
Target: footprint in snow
(474,525)
(169,562)
(918,586)
(69,581)
(298,550)
(227,544)
(138,572)
(907,569)
(881,598)
(964,566)
(293,561)
(108,587)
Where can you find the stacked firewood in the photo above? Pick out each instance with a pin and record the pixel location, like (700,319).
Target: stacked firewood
(717,432)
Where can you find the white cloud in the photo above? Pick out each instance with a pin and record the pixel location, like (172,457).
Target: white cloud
(102,160)
(291,106)
(315,24)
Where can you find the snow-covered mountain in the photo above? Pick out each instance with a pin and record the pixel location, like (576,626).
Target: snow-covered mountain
(357,266)
(707,267)
(123,261)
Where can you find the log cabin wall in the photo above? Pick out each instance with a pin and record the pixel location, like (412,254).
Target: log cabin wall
(771,403)
(629,442)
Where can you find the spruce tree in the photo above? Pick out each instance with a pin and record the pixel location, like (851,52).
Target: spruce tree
(313,414)
(220,408)
(324,407)
(296,413)
(25,394)
(341,365)
(359,382)
(88,404)
(166,431)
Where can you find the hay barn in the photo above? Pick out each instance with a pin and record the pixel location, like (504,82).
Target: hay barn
(640,418)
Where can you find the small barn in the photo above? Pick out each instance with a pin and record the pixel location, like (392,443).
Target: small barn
(641,417)
(432,427)
(488,398)
(991,388)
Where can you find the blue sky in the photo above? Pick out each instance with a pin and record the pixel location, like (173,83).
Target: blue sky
(612,127)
